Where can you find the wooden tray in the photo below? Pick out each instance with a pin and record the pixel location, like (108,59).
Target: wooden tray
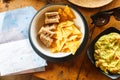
(90,3)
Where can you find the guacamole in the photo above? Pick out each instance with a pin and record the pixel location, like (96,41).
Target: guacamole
(107,53)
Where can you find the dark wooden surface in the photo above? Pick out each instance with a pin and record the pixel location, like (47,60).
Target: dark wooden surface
(20,77)
(79,68)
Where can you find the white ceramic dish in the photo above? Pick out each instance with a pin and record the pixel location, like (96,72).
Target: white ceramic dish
(38,21)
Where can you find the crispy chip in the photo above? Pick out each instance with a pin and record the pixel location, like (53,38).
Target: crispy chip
(60,44)
(67,36)
(73,46)
(66,14)
(65,49)
(73,37)
(67,33)
(63,15)
(58,34)
(66,24)
(70,14)
(76,30)
(54,47)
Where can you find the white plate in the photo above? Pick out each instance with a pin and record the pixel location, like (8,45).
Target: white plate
(37,23)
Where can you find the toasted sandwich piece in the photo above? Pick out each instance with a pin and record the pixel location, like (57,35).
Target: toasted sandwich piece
(45,33)
(51,27)
(51,14)
(47,30)
(47,41)
(52,17)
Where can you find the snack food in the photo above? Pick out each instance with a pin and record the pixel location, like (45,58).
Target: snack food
(66,14)
(67,35)
(107,53)
(45,34)
(51,17)
(59,31)
(47,30)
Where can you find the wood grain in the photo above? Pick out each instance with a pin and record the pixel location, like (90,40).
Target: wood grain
(79,68)
(20,77)
(87,70)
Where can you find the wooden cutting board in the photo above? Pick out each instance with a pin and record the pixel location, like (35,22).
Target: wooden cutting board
(90,3)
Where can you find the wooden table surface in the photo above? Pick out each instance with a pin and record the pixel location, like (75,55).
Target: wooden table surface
(79,68)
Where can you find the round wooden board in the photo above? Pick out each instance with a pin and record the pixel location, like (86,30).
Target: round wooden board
(90,3)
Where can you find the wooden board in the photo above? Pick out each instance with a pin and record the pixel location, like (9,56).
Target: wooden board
(91,3)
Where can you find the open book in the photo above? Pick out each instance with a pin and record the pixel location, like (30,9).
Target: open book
(16,53)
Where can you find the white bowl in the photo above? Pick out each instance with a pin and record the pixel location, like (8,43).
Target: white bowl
(37,23)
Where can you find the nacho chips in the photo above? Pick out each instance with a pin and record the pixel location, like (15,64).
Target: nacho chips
(67,38)
(66,14)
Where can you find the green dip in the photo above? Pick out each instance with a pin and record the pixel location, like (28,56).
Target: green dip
(107,53)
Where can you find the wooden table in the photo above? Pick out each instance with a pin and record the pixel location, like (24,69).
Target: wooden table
(79,68)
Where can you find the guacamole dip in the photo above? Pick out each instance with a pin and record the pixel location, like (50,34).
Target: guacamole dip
(107,53)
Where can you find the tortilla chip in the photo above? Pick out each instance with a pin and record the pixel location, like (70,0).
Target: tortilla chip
(68,11)
(66,14)
(76,30)
(70,45)
(67,38)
